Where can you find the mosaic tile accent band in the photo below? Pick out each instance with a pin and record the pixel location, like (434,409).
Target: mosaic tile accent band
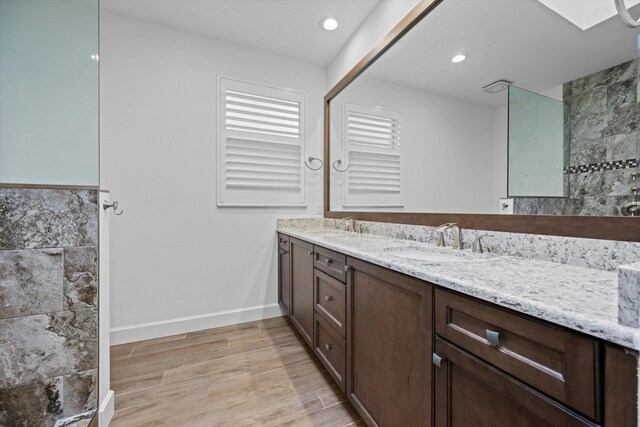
(596,167)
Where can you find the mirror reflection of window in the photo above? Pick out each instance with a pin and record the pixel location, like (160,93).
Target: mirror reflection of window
(373,149)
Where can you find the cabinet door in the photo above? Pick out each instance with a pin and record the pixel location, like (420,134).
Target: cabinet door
(301,309)
(470,392)
(284,276)
(389,346)
(620,386)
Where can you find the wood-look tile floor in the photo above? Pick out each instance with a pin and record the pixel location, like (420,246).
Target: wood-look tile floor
(252,374)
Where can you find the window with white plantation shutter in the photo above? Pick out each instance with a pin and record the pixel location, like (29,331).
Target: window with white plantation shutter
(373,153)
(261,145)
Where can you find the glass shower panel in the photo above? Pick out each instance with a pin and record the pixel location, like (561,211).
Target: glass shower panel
(49,92)
(536,145)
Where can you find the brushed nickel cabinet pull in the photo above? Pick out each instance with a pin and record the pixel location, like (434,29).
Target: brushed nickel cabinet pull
(328,298)
(328,261)
(328,347)
(437,360)
(493,337)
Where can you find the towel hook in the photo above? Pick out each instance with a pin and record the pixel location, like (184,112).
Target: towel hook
(339,162)
(106,205)
(625,15)
(311,160)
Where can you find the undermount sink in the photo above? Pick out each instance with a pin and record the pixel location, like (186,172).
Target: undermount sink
(417,255)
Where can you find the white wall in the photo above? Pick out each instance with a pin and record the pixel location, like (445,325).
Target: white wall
(177,261)
(380,21)
(447,148)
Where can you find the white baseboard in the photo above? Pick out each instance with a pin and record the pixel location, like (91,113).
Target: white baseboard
(163,328)
(107,408)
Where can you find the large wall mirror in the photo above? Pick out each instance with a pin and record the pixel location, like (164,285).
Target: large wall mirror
(492,107)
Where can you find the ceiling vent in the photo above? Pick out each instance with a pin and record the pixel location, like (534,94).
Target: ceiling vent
(498,86)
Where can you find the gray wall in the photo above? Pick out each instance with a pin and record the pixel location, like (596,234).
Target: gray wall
(48,306)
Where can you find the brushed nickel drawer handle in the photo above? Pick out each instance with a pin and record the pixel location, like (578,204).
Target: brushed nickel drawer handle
(347,268)
(310,252)
(328,261)
(328,347)
(328,298)
(493,337)
(437,360)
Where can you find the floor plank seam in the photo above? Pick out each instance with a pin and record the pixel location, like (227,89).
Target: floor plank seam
(322,401)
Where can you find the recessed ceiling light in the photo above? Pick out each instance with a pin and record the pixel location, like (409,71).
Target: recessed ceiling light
(458,58)
(329,23)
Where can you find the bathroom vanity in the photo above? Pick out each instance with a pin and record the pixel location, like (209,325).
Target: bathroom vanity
(446,338)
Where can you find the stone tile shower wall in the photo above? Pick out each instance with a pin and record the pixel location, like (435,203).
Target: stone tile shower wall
(601,125)
(48,306)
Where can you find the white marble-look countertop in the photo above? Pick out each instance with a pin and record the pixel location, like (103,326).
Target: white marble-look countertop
(579,298)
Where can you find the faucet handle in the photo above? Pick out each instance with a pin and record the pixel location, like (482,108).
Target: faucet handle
(477,243)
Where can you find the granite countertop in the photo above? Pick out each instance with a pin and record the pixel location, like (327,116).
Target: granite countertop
(579,298)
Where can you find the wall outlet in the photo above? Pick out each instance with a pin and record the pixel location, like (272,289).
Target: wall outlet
(506,206)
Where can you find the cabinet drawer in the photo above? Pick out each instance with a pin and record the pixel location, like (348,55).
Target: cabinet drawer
(330,262)
(330,300)
(330,348)
(471,392)
(559,363)
(283,242)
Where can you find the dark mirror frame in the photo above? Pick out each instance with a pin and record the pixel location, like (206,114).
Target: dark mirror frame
(596,227)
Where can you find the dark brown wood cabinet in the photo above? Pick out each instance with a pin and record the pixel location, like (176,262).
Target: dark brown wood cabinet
(557,362)
(380,334)
(330,300)
(620,386)
(470,392)
(389,346)
(301,308)
(330,349)
(284,273)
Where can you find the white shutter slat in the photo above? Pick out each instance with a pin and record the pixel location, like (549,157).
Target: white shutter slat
(373,139)
(255,165)
(265,101)
(262,145)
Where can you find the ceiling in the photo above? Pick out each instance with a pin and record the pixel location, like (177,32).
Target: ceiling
(518,40)
(285,27)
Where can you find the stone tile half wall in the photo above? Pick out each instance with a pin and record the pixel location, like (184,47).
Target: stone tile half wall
(48,306)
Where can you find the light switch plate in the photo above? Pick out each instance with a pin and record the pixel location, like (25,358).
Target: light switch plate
(506,206)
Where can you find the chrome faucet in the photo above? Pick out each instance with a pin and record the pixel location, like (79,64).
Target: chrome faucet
(457,235)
